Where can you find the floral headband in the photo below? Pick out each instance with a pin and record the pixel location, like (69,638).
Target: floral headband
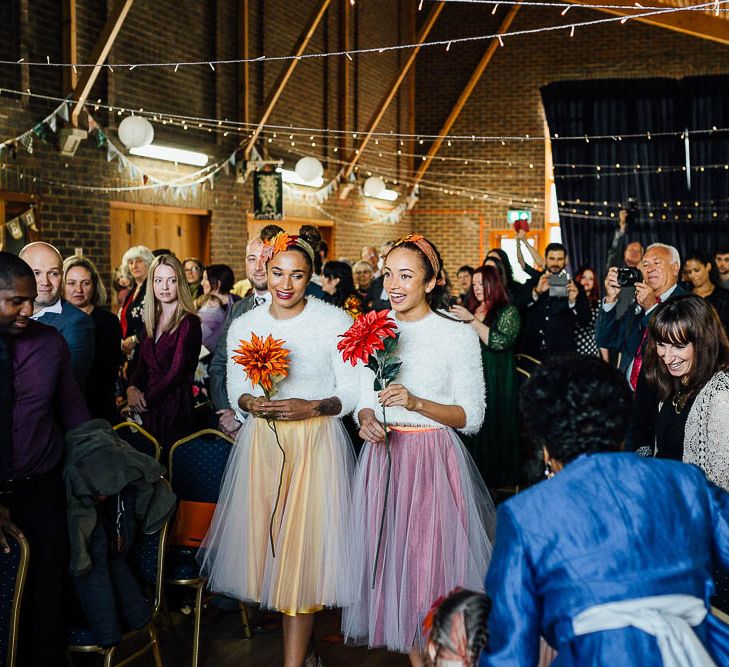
(282,242)
(426,247)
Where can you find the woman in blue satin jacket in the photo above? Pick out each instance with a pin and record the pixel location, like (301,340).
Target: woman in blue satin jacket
(610,558)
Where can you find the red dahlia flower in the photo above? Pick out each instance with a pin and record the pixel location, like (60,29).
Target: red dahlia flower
(366,336)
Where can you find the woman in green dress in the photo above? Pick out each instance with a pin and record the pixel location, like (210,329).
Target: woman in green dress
(496,447)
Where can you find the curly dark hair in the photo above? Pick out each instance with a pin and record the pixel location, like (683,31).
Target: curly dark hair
(575,404)
(475,608)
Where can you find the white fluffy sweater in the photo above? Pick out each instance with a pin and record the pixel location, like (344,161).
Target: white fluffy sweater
(316,369)
(441,363)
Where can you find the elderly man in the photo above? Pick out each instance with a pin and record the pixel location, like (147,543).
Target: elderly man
(39,402)
(74,325)
(256,273)
(628,335)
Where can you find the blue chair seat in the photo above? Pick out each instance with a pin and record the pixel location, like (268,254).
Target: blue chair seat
(81,637)
(181,563)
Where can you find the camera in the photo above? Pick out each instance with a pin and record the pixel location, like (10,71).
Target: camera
(558,285)
(628,276)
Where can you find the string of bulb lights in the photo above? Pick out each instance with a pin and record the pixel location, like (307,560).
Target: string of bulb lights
(641,12)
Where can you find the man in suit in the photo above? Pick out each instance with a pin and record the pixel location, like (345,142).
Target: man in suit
(628,334)
(39,402)
(625,254)
(74,325)
(551,318)
(217,370)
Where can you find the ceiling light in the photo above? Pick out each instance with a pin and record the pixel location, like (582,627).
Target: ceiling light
(387,195)
(171,154)
(293,178)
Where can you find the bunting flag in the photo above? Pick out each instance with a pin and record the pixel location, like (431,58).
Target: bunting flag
(17,226)
(317,197)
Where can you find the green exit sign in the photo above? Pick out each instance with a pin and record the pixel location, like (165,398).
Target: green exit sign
(512,215)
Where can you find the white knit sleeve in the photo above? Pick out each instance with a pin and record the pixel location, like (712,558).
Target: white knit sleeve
(718,445)
(236,380)
(346,378)
(468,378)
(367,397)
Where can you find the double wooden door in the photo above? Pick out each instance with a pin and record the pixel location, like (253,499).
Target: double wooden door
(185,232)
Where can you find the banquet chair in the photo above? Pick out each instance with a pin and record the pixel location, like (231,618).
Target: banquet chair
(139,438)
(13,570)
(197,466)
(147,559)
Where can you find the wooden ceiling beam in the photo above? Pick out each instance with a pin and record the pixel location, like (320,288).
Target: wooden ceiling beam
(101,52)
(289,67)
(465,94)
(394,87)
(70,45)
(695,23)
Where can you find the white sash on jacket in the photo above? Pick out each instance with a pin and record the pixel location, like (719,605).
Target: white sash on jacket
(669,618)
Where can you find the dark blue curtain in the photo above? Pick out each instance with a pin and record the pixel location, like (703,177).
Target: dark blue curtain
(686,205)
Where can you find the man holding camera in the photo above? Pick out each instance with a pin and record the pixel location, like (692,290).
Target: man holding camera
(654,283)
(556,307)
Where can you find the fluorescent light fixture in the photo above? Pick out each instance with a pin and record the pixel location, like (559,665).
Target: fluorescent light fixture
(387,195)
(171,154)
(293,178)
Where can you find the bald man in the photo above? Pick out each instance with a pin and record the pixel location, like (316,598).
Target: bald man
(76,327)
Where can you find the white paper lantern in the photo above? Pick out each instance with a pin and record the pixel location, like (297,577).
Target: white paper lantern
(135,132)
(374,186)
(309,169)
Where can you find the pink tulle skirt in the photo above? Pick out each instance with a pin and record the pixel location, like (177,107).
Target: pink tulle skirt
(438,520)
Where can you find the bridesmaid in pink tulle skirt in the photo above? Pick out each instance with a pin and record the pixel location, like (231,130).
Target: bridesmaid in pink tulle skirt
(437,512)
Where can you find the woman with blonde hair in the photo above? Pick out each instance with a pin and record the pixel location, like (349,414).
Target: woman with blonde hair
(84,288)
(160,390)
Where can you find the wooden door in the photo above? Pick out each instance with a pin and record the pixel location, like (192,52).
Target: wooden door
(185,232)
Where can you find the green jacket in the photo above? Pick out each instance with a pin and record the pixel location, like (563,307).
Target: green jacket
(100,463)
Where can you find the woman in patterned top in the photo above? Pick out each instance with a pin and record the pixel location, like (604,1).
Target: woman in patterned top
(585,335)
(495,447)
(687,364)
(338,286)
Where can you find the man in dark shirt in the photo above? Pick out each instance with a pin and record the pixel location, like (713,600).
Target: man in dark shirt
(553,314)
(40,402)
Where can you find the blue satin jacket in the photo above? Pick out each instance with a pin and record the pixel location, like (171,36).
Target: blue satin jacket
(608,527)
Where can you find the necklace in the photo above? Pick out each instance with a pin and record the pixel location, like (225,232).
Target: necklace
(679,402)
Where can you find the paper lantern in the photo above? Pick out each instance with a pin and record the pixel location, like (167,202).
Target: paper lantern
(135,132)
(374,186)
(309,169)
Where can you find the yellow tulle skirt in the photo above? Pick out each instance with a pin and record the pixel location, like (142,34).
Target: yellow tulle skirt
(305,568)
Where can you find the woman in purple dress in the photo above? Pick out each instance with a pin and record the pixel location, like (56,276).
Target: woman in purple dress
(160,390)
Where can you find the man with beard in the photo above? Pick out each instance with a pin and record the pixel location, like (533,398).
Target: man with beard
(256,274)
(554,310)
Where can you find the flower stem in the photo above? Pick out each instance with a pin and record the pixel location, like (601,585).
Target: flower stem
(387,493)
(272,425)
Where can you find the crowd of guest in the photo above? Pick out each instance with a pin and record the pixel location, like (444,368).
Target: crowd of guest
(652,377)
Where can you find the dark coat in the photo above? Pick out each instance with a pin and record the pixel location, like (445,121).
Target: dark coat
(99,463)
(550,324)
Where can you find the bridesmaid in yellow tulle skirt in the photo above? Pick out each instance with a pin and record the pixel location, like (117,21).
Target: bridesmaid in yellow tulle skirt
(278,536)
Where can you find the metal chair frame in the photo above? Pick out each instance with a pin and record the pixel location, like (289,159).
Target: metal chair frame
(150,629)
(145,434)
(20,576)
(198,583)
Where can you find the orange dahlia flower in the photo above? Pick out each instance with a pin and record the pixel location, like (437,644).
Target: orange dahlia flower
(265,361)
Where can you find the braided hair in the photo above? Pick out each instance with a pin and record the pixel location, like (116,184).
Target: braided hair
(462,613)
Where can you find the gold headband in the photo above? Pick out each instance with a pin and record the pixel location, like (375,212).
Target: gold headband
(426,247)
(282,242)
